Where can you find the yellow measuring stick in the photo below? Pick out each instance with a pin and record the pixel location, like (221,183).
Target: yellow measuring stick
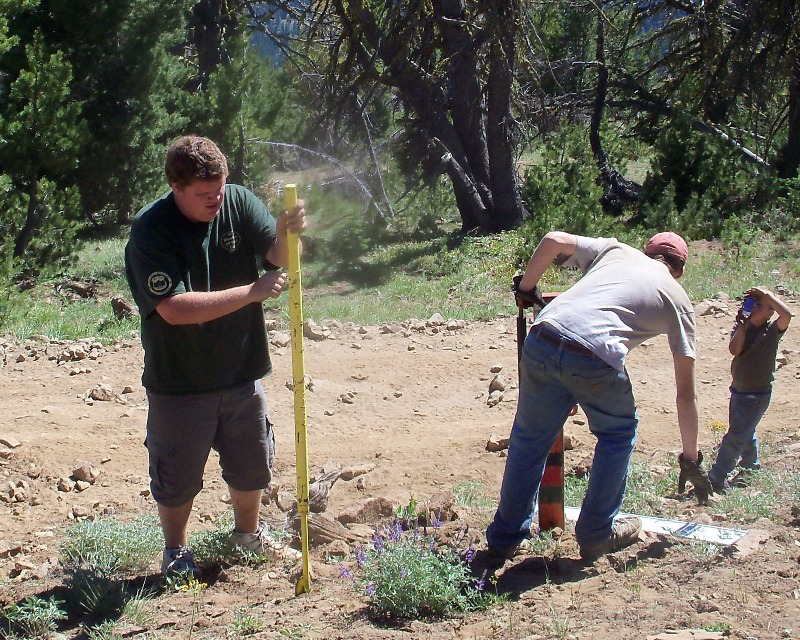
(298,377)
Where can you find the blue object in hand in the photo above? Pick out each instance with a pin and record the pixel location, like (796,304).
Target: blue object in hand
(748,304)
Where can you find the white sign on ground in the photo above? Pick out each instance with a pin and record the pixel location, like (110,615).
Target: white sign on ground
(679,528)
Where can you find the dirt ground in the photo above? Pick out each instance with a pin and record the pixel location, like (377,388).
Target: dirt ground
(407,405)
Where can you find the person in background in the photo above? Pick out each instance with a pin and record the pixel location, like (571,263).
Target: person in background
(575,354)
(754,347)
(192,263)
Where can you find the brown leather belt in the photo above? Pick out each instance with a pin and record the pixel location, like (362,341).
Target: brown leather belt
(551,337)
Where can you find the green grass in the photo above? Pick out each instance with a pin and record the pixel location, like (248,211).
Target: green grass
(793,488)
(766,492)
(765,262)
(643,492)
(472,493)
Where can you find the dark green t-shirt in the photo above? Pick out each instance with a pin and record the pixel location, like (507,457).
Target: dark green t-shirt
(167,255)
(753,369)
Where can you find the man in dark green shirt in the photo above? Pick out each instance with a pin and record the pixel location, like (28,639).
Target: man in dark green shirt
(192,263)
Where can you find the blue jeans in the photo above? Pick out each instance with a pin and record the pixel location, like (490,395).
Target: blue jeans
(739,444)
(552,382)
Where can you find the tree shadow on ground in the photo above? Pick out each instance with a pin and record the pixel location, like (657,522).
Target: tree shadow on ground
(356,270)
(346,252)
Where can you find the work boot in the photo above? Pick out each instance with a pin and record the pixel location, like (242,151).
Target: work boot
(262,544)
(624,532)
(179,564)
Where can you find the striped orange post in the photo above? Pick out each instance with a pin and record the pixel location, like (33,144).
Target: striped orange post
(551,489)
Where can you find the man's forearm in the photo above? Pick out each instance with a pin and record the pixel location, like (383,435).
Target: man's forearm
(688,425)
(194,307)
(783,311)
(554,244)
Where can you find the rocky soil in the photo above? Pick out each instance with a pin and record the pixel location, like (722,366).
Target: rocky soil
(396,412)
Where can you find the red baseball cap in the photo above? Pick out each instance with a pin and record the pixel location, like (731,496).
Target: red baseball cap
(668,244)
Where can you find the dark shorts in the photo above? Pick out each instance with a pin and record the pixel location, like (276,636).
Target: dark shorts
(182,430)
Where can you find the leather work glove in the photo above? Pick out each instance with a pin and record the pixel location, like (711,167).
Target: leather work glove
(524,299)
(693,472)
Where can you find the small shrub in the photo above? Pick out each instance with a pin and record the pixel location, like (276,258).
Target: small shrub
(405,576)
(35,617)
(246,622)
(407,514)
(112,548)
(545,544)
(97,554)
(703,552)
(105,630)
(718,627)
(94,594)
(213,547)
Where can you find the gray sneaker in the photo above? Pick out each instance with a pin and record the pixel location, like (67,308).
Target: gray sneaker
(179,563)
(624,532)
(264,545)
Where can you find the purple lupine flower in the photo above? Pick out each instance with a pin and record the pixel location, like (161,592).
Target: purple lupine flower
(344,572)
(361,556)
(370,590)
(437,520)
(469,556)
(377,542)
(395,531)
(481,582)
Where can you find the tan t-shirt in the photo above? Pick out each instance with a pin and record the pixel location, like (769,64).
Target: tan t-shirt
(623,299)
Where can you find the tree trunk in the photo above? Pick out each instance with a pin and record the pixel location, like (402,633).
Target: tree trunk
(465,94)
(31,220)
(618,189)
(789,158)
(210,23)
(237,170)
(507,209)
(456,94)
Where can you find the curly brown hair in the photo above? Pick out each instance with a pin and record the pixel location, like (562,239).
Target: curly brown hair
(192,158)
